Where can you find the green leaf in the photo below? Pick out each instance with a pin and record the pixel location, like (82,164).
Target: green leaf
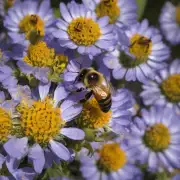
(57,12)
(141,7)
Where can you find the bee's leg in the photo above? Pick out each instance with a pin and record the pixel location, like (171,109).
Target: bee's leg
(131,45)
(81,89)
(87,96)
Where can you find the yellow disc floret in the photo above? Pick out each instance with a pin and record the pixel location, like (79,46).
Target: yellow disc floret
(60,63)
(5,125)
(157,137)
(31,23)
(40,55)
(178,14)
(41,121)
(92,116)
(111,157)
(108,8)
(84,31)
(171,88)
(140,47)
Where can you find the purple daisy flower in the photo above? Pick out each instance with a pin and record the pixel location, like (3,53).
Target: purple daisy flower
(80,29)
(164,90)
(155,139)
(110,161)
(120,12)
(28,16)
(141,59)
(40,61)
(46,129)
(170,22)
(119,116)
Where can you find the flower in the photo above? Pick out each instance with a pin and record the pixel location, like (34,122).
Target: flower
(164,90)
(80,29)
(111,160)
(92,116)
(7,108)
(40,61)
(119,13)
(117,118)
(154,138)
(29,18)
(145,54)
(170,22)
(43,123)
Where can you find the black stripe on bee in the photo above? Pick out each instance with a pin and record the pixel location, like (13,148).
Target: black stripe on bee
(105,104)
(87,96)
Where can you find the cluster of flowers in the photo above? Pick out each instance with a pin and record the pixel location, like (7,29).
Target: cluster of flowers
(48,130)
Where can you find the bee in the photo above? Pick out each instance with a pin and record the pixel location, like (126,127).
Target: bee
(98,86)
(143,42)
(33,19)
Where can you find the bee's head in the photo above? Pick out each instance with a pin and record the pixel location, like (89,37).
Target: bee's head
(93,78)
(81,75)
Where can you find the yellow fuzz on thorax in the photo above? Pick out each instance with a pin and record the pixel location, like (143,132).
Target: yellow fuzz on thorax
(140,47)
(41,121)
(84,31)
(178,14)
(157,137)
(171,88)
(5,125)
(31,23)
(112,157)
(108,8)
(92,116)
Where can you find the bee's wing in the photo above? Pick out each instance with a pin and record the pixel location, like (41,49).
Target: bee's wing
(102,91)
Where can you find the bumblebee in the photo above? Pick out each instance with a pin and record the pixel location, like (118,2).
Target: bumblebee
(98,86)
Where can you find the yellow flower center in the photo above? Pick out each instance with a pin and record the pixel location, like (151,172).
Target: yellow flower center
(60,63)
(171,88)
(40,121)
(5,125)
(178,14)
(31,23)
(140,47)
(108,8)
(40,55)
(157,137)
(84,31)
(92,116)
(112,157)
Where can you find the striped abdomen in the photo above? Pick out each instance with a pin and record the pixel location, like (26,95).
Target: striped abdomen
(105,104)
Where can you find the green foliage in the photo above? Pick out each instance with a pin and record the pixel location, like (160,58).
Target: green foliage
(141,7)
